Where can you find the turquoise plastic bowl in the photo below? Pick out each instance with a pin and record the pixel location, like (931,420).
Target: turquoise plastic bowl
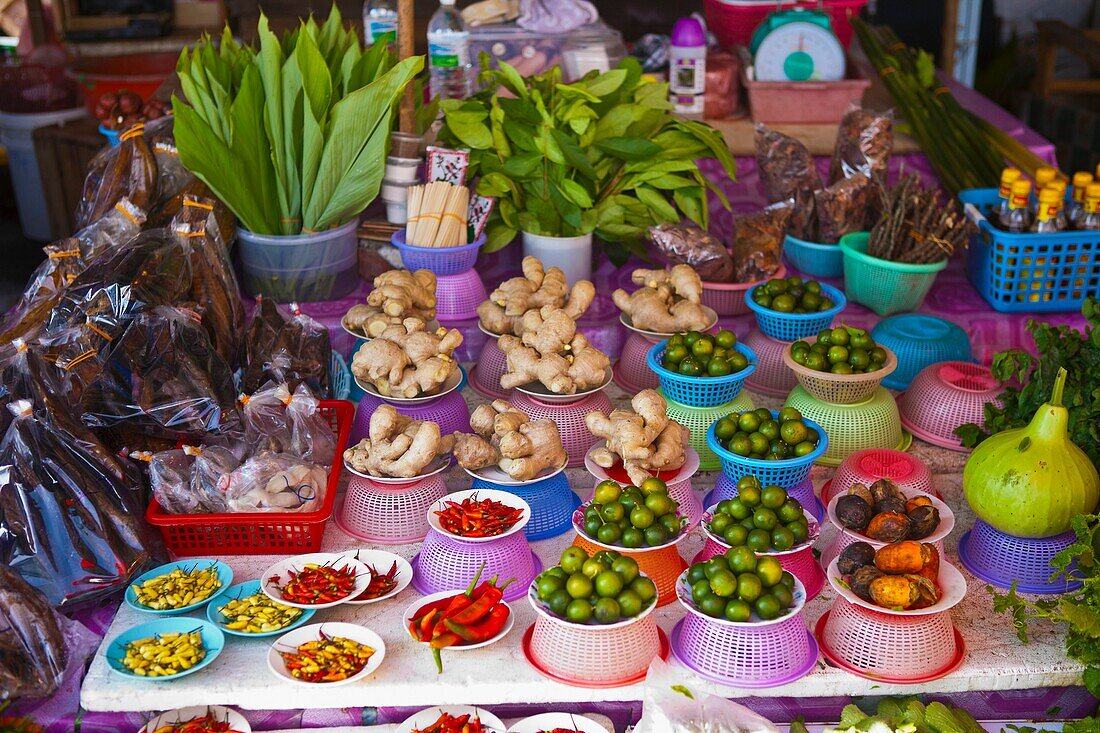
(225,575)
(699,391)
(918,341)
(814,258)
(244,590)
(786,474)
(794,326)
(213,640)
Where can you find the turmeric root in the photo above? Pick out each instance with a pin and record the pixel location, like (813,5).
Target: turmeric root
(667,302)
(507,437)
(507,304)
(904,591)
(398,446)
(405,360)
(397,295)
(645,440)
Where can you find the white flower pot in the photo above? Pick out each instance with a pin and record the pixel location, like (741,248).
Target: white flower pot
(573,255)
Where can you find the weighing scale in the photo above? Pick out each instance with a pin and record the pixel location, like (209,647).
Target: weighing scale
(797,45)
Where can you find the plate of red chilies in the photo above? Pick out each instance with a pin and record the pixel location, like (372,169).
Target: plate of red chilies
(389,575)
(479,515)
(315,580)
(452,719)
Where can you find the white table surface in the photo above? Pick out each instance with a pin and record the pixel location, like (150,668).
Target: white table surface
(392,727)
(996,660)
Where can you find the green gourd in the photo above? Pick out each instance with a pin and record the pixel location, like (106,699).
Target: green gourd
(1030,482)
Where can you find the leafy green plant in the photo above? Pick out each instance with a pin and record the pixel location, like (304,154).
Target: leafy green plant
(292,136)
(604,154)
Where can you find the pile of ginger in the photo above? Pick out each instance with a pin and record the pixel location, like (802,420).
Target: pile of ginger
(668,301)
(646,440)
(397,295)
(406,360)
(508,438)
(397,446)
(503,312)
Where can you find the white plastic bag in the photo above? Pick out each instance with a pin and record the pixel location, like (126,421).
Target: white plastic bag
(275,482)
(672,703)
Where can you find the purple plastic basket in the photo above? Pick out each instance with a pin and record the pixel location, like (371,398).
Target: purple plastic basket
(552,503)
(448,563)
(440,260)
(485,375)
(802,565)
(450,411)
(744,656)
(576,438)
(1000,559)
(458,296)
(726,488)
(388,514)
(632,371)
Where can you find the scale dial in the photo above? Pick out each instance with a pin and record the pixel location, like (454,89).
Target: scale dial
(799,51)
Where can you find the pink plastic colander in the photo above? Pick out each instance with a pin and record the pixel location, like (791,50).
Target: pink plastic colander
(458,296)
(772,377)
(945,396)
(632,373)
(886,648)
(389,514)
(450,412)
(491,365)
(728,299)
(871,464)
(448,563)
(592,656)
(575,435)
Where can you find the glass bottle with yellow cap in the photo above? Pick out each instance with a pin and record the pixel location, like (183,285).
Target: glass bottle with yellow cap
(1008,177)
(1075,212)
(1044,174)
(1017,219)
(1058,185)
(1091,220)
(1046,218)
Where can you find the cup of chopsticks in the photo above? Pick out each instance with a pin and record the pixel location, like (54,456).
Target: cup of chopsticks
(437,215)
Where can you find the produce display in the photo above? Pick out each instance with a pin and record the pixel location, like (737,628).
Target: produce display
(536,288)
(634,516)
(792,295)
(316,584)
(901,576)
(882,513)
(840,350)
(602,589)
(164,655)
(397,295)
(508,438)
(474,616)
(407,360)
(328,659)
(124,108)
(381,583)
(201,724)
(645,440)
(472,517)
(761,517)
(895,715)
(447,723)
(741,586)
(668,301)
(397,446)
(760,435)
(917,225)
(257,614)
(695,354)
(178,588)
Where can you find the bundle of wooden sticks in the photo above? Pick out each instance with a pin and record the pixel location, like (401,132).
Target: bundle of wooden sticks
(437,215)
(917,225)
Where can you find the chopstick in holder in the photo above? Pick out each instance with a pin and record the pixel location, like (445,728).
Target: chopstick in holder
(437,215)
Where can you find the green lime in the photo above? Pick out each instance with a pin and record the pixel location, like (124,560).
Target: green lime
(735,535)
(609,584)
(653,485)
(763,413)
(787,581)
(740,445)
(737,508)
(839,336)
(740,559)
(793,431)
(784,303)
(630,604)
(690,367)
(749,496)
(579,585)
(769,571)
(765,518)
(645,589)
(782,539)
(579,611)
(720,523)
(779,451)
(804,448)
(788,414)
(747,523)
(558,573)
(700,589)
(759,442)
(738,611)
(676,339)
(593,567)
(782,594)
(607,611)
(824,337)
(770,429)
(613,512)
(607,492)
(632,538)
(671,523)
(811,301)
(659,504)
(815,361)
(859,358)
(674,355)
(790,511)
(641,517)
(548,585)
(812,286)
(572,559)
(723,584)
(800,530)
(878,355)
(609,534)
(749,587)
(626,567)
(862,340)
(721,367)
(725,429)
(656,535)
(767,607)
(703,349)
(696,573)
(607,556)
(748,480)
(715,565)
(773,497)
(776,287)
(749,422)
(691,337)
(759,540)
(725,338)
(714,606)
(842,367)
(738,362)
(559,601)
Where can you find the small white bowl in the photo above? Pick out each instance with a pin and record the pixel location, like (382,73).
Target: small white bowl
(947,520)
(683,595)
(550,721)
(289,642)
(278,573)
(439,465)
(237,723)
(427,716)
(951,582)
(382,561)
(813,531)
(411,613)
(655,336)
(538,391)
(458,497)
(494,475)
(452,383)
(544,610)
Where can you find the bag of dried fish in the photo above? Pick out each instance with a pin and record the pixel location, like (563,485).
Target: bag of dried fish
(171,175)
(126,170)
(272,482)
(864,141)
(278,348)
(843,208)
(757,242)
(163,214)
(264,414)
(312,438)
(788,172)
(690,245)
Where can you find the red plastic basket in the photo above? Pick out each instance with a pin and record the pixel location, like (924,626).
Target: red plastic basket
(733,22)
(262,533)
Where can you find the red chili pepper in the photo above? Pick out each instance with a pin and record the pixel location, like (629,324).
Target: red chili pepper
(484,630)
(474,518)
(480,608)
(316,584)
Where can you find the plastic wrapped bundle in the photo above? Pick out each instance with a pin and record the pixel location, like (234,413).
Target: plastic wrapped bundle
(690,245)
(843,207)
(265,419)
(172,177)
(271,482)
(293,349)
(788,172)
(188,480)
(757,242)
(128,170)
(864,140)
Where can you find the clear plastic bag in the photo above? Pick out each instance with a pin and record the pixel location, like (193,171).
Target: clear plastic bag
(864,141)
(312,438)
(280,348)
(671,704)
(690,245)
(172,176)
(844,207)
(757,242)
(788,172)
(128,170)
(267,426)
(273,482)
(188,480)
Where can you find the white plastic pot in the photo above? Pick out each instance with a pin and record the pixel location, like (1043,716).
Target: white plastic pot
(573,255)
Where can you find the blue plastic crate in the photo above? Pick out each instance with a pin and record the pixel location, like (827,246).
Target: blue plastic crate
(699,391)
(1029,273)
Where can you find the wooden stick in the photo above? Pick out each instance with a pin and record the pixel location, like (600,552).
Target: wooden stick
(405,43)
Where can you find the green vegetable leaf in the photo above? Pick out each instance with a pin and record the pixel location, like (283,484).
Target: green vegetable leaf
(511,79)
(575,192)
(628,148)
(469,126)
(573,154)
(521,166)
(498,237)
(519,110)
(657,203)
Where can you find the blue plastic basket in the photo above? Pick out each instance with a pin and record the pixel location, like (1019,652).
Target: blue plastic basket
(440,260)
(699,391)
(814,258)
(726,488)
(340,378)
(795,326)
(787,473)
(111,135)
(1029,273)
(919,340)
(552,503)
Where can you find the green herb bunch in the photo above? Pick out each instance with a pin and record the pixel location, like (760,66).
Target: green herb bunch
(1056,346)
(292,136)
(604,154)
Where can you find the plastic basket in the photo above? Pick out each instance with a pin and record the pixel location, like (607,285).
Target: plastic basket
(883,286)
(458,296)
(873,423)
(632,371)
(795,326)
(945,396)
(663,566)
(440,260)
(814,259)
(698,419)
(734,22)
(576,438)
(918,340)
(389,514)
(485,375)
(801,564)
(1000,559)
(591,656)
(771,377)
(262,533)
(552,503)
(699,391)
(887,648)
(840,389)
(1029,273)
(786,473)
(683,493)
(340,377)
(871,464)
(726,488)
(450,411)
(448,563)
(728,299)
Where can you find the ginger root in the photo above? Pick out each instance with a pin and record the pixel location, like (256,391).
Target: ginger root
(550,351)
(504,310)
(398,446)
(646,440)
(405,360)
(667,302)
(397,295)
(508,438)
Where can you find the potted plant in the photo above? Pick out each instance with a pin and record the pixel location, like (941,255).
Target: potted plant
(292,136)
(604,155)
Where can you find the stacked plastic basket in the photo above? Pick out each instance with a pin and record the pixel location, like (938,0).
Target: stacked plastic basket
(459,289)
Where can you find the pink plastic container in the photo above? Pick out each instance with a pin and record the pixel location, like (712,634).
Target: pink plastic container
(575,435)
(594,656)
(388,514)
(728,299)
(448,563)
(733,22)
(945,396)
(801,564)
(869,465)
(632,373)
(772,377)
(486,374)
(450,411)
(458,296)
(804,102)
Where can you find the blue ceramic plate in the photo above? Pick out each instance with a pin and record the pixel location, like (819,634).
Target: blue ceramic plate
(213,640)
(243,590)
(225,575)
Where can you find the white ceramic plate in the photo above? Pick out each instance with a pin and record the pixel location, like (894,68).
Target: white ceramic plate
(382,561)
(951,582)
(290,641)
(683,473)
(432,325)
(486,331)
(429,715)
(237,723)
(447,387)
(712,321)
(411,613)
(683,595)
(813,530)
(947,520)
(550,721)
(542,394)
(578,527)
(494,475)
(277,573)
(439,465)
(458,497)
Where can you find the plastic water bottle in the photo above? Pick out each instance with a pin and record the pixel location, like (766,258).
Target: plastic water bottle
(448,53)
(380,21)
